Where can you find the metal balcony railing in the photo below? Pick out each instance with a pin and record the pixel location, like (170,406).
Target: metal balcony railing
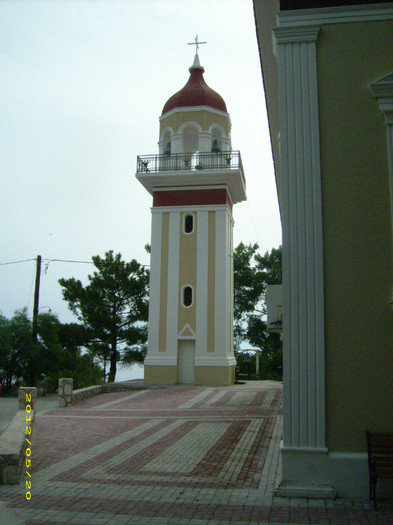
(222,160)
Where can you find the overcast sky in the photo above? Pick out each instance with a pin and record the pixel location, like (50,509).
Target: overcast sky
(82,85)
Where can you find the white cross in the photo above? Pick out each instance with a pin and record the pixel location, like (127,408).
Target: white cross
(196,44)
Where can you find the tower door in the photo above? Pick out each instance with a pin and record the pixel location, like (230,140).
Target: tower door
(186,360)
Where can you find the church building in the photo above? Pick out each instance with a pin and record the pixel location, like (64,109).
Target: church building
(194,180)
(327,68)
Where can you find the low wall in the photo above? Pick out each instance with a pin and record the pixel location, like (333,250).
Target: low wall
(67,396)
(85,393)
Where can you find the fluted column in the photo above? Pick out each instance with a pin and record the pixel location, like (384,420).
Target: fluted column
(304,352)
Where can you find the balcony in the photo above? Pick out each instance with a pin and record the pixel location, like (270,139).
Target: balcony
(194,162)
(193,170)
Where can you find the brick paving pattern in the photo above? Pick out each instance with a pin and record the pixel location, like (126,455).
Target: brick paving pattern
(180,455)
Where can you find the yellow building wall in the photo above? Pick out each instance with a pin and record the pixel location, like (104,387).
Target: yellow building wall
(214,375)
(187,273)
(357,231)
(160,375)
(204,118)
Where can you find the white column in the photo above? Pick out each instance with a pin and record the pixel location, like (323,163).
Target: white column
(230,285)
(177,143)
(205,142)
(304,351)
(226,144)
(223,309)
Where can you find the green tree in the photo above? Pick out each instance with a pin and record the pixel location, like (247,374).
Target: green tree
(57,353)
(42,363)
(248,287)
(113,308)
(65,354)
(15,338)
(20,355)
(252,273)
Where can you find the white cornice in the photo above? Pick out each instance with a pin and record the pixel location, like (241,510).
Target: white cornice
(192,188)
(161,359)
(193,108)
(190,207)
(382,89)
(335,15)
(214,360)
(232,179)
(292,35)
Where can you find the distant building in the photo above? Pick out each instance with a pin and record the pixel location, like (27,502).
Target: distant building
(328,76)
(195,181)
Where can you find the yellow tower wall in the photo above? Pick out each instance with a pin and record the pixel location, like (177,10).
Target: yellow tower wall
(205,118)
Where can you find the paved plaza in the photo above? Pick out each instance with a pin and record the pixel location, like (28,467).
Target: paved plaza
(178,455)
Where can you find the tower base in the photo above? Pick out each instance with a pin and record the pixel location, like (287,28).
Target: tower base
(215,375)
(204,375)
(160,374)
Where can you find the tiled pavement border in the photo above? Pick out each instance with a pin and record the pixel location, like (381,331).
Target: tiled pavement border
(197,456)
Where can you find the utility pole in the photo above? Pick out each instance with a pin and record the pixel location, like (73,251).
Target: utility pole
(36,298)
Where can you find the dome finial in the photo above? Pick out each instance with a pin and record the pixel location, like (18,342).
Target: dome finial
(196,64)
(196,44)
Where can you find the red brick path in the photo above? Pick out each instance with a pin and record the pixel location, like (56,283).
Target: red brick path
(193,455)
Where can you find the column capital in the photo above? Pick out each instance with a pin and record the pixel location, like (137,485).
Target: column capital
(293,35)
(382,89)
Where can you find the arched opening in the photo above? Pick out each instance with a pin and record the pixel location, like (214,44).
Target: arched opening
(216,140)
(165,143)
(167,149)
(188,223)
(215,146)
(190,139)
(187,296)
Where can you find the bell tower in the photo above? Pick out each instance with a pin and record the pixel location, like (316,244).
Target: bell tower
(194,180)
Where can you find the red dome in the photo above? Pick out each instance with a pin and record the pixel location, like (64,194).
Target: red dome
(195,93)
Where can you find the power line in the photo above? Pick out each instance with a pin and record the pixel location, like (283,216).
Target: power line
(47,260)
(68,261)
(17,262)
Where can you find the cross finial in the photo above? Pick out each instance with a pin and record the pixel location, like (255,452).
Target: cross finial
(196,44)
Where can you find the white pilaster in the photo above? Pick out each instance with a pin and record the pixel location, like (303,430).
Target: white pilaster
(226,144)
(304,351)
(205,142)
(230,286)
(223,301)
(177,143)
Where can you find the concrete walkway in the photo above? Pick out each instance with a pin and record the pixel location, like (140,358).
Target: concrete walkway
(180,455)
